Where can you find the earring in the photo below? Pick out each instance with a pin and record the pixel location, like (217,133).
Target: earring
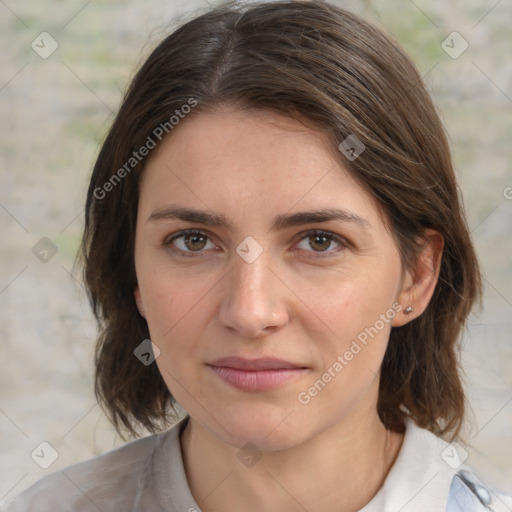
(408,310)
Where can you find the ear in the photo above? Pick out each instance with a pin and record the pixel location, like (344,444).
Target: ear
(418,285)
(138,301)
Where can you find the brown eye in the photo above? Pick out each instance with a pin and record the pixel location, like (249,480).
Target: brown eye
(322,242)
(319,242)
(187,243)
(195,242)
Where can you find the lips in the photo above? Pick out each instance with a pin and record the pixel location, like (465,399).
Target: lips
(256,374)
(264,363)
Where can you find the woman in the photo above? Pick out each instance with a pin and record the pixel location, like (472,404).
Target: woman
(275,208)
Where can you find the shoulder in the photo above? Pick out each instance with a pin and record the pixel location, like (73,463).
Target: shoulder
(105,482)
(430,475)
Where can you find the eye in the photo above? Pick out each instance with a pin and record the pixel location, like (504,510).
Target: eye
(320,241)
(193,242)
(189,241)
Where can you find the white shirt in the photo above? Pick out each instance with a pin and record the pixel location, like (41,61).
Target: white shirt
(420,478)
(148,475)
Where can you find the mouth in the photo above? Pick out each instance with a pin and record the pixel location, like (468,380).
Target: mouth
(261,374)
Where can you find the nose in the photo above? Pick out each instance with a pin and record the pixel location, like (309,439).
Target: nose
(254,301)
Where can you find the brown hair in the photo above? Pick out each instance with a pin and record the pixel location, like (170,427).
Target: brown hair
(307,60)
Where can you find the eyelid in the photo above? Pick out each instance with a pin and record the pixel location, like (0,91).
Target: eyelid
(193,231)
(341,241)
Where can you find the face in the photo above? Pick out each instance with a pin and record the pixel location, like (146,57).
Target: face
(272,323)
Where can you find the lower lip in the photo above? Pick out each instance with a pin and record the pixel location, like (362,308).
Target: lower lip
(257,380)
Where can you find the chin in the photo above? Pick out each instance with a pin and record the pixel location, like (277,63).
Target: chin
(268,427)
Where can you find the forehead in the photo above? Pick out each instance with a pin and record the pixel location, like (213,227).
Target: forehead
(250,138)
(253,159)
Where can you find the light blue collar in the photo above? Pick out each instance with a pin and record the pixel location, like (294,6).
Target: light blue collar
(468,494)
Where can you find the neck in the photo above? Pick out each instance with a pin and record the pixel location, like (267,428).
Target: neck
(340,469)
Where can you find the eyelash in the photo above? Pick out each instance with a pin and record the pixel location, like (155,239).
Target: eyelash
(343,243)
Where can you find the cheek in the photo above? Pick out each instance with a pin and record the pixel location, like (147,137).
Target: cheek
(170,305)
(350,352)
(356,313)
(178,309)
(348,303)
(176,314)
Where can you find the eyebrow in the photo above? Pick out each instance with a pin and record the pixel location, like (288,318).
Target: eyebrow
(281,221)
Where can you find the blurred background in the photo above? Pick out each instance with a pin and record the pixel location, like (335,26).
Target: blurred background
(63,69)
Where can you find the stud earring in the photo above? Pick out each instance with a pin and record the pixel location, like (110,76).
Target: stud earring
(408,310)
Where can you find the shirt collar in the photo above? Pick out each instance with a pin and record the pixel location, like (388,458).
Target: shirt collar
(419,480)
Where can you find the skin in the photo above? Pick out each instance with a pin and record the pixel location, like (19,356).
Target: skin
(303,299)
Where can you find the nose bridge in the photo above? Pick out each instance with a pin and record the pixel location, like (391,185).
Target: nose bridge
(252,301)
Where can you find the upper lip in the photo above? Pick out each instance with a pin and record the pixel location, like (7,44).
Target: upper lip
(263,363)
